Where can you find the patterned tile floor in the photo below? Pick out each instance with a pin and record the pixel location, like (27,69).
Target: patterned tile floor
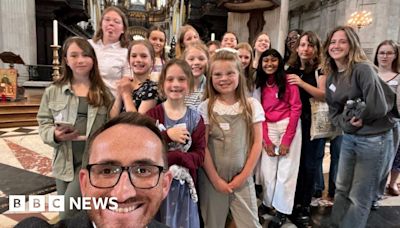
(23,148)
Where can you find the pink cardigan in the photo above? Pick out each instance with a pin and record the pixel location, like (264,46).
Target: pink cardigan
(276,110)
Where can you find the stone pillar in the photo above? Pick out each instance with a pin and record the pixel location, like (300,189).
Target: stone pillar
(283,26)
(18,33)
(386,16)
(272,26)
(237,23)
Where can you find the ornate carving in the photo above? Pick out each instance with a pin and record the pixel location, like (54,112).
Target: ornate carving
(137,30)
(248,5)
(145,13)
(255,24)
(137,15)
(313,5)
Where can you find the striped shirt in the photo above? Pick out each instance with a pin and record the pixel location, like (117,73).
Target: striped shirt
(194,98)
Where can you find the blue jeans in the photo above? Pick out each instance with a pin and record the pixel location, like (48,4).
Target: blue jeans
(360,163)
(387,163)
(334,149)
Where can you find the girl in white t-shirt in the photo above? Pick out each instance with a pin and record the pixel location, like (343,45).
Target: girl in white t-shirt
(234,140)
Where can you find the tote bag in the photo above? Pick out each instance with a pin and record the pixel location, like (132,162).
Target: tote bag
(321,125)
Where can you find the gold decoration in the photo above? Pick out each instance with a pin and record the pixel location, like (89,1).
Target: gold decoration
(56,62)
(360,19)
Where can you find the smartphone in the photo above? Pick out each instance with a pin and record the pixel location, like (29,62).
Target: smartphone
(69,126)
(276,150)
(64,124)
(80,138)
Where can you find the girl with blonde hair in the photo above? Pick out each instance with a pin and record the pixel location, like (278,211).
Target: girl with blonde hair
(196,55)
(261,43)
(245,53)
(187,35)
(233,138)
(157,38)
(359,104)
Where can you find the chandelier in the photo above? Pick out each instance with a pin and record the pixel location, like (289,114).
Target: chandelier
(360,18)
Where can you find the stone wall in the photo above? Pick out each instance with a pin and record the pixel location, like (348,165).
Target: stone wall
(18,33)
(321,16)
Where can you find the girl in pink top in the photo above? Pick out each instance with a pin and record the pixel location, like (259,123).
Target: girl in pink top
(281,136)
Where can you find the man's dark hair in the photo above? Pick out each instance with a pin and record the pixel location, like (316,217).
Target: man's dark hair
(134,119)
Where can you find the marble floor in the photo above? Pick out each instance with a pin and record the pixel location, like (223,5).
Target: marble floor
(22,148)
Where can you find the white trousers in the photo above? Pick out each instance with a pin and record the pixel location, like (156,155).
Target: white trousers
(278,174)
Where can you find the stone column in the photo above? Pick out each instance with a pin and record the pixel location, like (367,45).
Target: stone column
(386,16)
(283,26)
(18,33)
(237,23)
(272,26)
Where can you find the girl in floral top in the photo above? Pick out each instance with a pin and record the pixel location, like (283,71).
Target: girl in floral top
(138,93)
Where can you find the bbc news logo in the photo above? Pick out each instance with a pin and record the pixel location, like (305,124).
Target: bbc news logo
(56,203)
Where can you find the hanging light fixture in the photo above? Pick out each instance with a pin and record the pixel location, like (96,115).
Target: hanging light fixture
(360,18)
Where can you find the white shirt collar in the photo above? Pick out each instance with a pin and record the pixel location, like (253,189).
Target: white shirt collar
(113,45)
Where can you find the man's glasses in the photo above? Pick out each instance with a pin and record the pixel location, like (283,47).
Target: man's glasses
(140,176)
(389,53)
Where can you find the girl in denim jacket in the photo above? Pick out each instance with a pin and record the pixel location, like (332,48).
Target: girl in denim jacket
(72,108)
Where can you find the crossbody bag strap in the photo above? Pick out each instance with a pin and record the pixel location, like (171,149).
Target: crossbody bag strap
(317,76)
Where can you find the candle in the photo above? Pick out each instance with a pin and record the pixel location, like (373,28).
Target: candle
(212,36)
(55,33)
